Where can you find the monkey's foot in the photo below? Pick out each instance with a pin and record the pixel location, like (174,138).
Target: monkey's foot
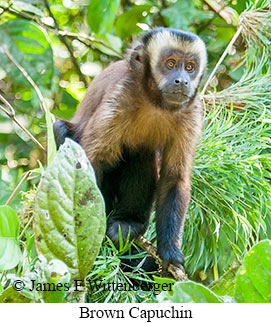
(171,256)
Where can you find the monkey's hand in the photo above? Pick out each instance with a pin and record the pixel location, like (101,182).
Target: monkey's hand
(171,255)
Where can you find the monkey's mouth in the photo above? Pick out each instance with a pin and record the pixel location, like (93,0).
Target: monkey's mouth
(176,97)
(178,92)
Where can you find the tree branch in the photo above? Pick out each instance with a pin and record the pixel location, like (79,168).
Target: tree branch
(178,273)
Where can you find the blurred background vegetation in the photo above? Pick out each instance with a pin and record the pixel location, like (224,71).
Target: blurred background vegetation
(64,44)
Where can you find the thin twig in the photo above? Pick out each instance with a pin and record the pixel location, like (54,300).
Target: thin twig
(236,35)
(11,115)
(11,109)
(89,38)
(26,175)
(28,77)
(67,45)
(126,278)
(178,273)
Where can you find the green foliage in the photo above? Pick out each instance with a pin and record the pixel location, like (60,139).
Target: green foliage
(47,282)
(55,273)
(51,145)
(225,285)
(69,211)
(110,40)
(189,13)
(30,47)
(107,271)
(253,279)
(189,292)
(9,230)
(231,200)
(231,194)
(102,8)
(127,23)
(10,295)
(27,6)
(252,282)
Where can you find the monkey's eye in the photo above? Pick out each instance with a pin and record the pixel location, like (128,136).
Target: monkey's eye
(171,63)
(189,67)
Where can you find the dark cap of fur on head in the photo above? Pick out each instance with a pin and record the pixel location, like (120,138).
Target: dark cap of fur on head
(181,35)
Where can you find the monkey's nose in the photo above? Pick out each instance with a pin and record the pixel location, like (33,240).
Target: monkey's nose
(178,82)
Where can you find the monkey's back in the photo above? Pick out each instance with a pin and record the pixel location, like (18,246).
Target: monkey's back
(99,91)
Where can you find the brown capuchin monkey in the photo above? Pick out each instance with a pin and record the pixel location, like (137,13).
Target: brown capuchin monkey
(137,109)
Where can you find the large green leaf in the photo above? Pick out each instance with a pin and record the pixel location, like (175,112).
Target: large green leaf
(189,292)
(69,211)
(127,23)
(253,280)
(225,285)
(112,41)
(10,252)
(29,46)
(101,14)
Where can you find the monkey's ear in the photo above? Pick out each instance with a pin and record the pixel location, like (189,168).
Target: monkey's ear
(136,55)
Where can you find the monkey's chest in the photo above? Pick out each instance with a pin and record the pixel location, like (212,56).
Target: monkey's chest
(150,128)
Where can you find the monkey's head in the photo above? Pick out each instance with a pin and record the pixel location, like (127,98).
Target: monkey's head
(171,63)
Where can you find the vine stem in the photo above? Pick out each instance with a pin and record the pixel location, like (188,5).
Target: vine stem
(226,51)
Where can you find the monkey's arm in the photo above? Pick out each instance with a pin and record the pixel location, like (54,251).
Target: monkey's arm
(173,195)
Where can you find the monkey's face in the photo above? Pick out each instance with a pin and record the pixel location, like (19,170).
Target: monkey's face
(176,76)
(177,63)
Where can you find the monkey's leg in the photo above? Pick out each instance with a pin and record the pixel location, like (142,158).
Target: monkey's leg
(172,201)
(136,186)
(108,184)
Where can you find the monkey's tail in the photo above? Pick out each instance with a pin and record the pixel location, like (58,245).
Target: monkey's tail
(62,130)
